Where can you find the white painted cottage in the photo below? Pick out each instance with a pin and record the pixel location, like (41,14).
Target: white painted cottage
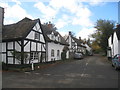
(75,45)
(114,42)
(55,43)
(23,42)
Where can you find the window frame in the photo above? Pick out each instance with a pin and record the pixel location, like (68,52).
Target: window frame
(37,36)
(52,53)
(35,54)
(58,53)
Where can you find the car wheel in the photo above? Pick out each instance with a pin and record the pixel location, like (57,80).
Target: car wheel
(116,67)
(112,65)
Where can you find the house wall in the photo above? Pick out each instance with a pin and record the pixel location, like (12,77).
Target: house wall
(88,48)
(31,35)
(1,17)
(55,47)
(109,41)
(11,46)
(119,47)
(115,44)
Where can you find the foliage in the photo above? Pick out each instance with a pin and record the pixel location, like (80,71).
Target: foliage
(103,32)
(63,55)
(51,25)
(96,48)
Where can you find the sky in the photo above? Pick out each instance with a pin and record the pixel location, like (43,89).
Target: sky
(77,16)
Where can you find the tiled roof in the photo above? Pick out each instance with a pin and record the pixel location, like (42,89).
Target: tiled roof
(79,42)
(47,31)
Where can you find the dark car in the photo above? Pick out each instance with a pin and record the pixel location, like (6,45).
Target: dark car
(78,55)
(116,61)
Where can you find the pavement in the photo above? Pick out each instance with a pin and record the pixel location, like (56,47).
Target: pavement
(91,72)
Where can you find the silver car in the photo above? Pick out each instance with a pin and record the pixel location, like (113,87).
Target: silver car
(78,55)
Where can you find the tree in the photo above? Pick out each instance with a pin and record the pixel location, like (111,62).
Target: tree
(104,29)
(50,25)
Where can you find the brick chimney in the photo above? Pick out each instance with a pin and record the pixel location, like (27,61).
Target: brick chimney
(118,26)
(79,38)
(49,25)
(70,33)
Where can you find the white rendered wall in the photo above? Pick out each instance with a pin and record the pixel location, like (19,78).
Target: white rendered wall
(115,44)
(27,47)
(55,47)
(3,47)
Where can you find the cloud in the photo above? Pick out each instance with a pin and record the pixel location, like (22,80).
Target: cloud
(14,13)
(64,21)
(60,24)
(63,33)
(85,32)
(17,2)
(83,18)
(47,11)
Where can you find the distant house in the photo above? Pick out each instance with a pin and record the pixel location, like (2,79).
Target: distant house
(114,42)
(1,16)
(55,43)
(88,49)
(1,20)
(75,45)
(23,42)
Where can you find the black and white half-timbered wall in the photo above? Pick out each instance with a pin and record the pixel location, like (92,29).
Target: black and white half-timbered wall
(23,42)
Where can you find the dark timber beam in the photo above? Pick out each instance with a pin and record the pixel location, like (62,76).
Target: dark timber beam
(22,51)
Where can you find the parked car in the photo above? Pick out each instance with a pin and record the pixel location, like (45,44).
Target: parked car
(78,55)
(116,61)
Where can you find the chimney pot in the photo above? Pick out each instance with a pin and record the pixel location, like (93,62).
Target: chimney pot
(79,38)
(69,32)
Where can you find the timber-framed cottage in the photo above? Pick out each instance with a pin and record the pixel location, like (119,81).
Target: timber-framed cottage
(75,45)
(23,42)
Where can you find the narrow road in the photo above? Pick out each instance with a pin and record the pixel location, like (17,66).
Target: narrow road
(91,72)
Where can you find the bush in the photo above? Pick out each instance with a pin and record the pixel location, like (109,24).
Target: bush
(63,55)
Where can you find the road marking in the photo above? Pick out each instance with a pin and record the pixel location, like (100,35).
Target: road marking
(47,74)
(37,73)
(86,64)
(27,72)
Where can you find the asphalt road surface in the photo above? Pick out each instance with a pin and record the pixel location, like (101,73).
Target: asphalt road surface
(91,72)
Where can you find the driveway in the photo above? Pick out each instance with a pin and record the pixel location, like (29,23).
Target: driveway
(91,72)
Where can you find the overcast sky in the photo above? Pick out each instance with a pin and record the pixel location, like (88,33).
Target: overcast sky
(78,16)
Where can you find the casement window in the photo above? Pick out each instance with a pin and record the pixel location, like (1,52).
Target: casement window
(59,39)
(52,53)
(52,36)
(37,36)
(73,43)
(58,53)
(34,55)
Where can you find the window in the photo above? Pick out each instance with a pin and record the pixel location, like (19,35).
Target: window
(52,53)
(73,43)
(52,36)
(59,39)
(37,36)
(34,55)
(58,53)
